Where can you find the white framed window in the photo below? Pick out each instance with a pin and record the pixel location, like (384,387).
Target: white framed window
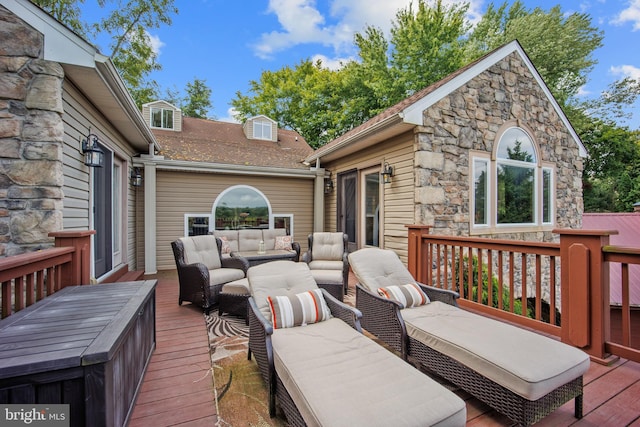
(161,118)
(262,129)
(283,221)
(512,189)
(196,224)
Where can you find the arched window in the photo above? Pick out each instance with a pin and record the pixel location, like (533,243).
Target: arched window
(239,207)
(511,190)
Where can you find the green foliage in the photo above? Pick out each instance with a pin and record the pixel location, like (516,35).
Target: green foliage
(495,293)
(65,11)
(198,100)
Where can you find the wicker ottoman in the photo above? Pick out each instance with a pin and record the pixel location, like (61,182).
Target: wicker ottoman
(233,298)
(331,280)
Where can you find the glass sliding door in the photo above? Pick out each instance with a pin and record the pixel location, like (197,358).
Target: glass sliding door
(370,220)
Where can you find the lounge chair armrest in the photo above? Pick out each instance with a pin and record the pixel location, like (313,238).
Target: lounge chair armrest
(240,263)
(442,295)
(344,312)
(196,276)
(296,247)
(260,331)
(382,318)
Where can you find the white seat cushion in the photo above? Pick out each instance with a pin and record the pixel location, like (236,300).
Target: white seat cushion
(327,246)
(338,377)
(328,277)
(237,287)
(202,249)
(527,363)
(224,275)
(326,265)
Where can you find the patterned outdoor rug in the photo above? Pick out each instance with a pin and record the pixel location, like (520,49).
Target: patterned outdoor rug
(241,395)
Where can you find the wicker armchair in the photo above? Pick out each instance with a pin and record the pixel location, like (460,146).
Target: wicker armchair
(202,271)
(537,376)
(328,262)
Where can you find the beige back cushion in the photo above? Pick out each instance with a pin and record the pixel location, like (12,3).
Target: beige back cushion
(249,240)
(202,249)
(232,238)
(327,246)
(377,268)
(278,278)
(270,237)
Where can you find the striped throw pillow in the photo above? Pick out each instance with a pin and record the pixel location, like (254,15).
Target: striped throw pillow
(301,309)
(409,295)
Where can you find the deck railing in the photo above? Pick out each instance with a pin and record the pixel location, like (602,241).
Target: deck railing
(29,277)
(560,289)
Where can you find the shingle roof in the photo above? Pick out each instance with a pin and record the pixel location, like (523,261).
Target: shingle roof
(628,227)
(222,142)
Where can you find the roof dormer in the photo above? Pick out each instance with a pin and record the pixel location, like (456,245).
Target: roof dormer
(162,115)
(261,127)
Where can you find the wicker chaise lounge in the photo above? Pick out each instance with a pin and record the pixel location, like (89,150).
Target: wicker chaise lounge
(521,374)
(328,373)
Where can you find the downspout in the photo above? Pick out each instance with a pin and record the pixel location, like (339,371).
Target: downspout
(318,199)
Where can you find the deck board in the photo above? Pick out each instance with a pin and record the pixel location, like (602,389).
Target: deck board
(178,389)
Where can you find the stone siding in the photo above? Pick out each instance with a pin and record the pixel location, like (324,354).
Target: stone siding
(31,137)
(469,118)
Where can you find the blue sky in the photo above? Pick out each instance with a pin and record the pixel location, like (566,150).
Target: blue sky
(229,43)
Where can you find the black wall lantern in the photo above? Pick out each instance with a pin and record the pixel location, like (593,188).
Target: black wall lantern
(93,154)
(136,177)
(328,185)
(387,173)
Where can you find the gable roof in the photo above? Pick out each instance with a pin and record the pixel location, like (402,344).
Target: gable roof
(407,114)
(93,73)
(212,141)
(628,227)
(161,102)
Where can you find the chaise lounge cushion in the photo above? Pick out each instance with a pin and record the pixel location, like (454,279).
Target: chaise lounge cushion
(338,377)
(527,363)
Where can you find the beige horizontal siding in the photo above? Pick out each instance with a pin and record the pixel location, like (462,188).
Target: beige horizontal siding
(398,196)
(179,193)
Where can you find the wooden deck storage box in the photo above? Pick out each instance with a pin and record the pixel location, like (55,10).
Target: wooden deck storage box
(86,346)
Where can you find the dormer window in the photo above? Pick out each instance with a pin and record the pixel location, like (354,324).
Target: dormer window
(161,118)
(262,129)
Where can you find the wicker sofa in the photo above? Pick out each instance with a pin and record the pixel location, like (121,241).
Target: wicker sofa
(246,243)
(521,374)
(328,373)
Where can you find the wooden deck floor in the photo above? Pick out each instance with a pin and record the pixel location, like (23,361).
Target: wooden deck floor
(178,388)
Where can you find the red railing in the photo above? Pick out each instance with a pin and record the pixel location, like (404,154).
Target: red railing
(29,277)
(558,289)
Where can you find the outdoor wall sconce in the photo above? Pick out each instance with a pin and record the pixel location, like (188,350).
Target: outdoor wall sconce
(93,155)
(387,173)
(328,185)
(136,177)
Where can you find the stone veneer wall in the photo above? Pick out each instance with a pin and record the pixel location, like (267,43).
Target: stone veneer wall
(31,137)
(469,119)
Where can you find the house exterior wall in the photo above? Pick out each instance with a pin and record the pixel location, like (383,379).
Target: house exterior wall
(31,134)
(80,118)
(398,208)
(179,193)
(469,118)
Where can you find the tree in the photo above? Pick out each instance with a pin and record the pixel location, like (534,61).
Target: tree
(559,45)
(198,100)
(127,25)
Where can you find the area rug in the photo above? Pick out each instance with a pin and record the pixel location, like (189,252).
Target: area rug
(241,395)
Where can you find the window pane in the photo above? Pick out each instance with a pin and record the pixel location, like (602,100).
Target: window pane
(241,207)
(168,119)
(515,195)
(198,225)
(515,144)
(480,192)
(156,118)
(546,195)
(372,212)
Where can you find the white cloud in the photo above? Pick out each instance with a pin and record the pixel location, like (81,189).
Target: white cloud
(630,14)
(231,116)
(302,22)
(156,43)
(331,64)
(626,71)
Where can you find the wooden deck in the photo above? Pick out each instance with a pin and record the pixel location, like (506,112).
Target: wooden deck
(178,388)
